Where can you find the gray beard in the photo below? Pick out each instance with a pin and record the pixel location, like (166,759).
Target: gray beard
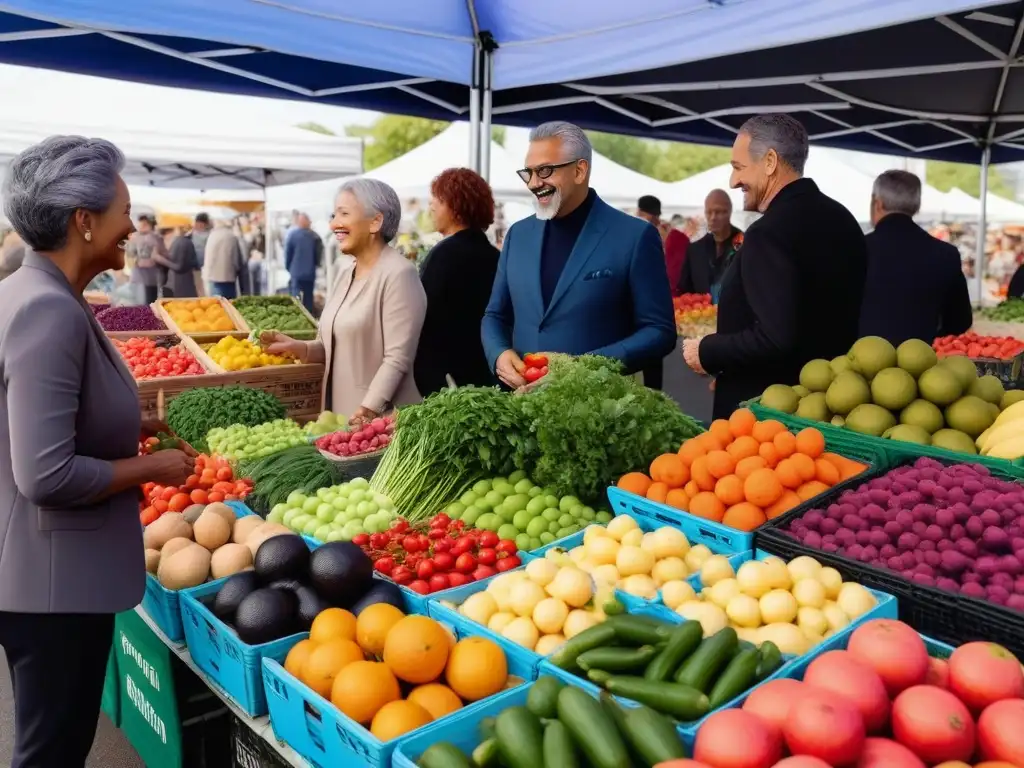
(549,211)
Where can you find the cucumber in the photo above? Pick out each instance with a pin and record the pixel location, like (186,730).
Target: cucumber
(594,637)
(703,665)
(652,736)
(443,755)
(638,630)
(592,729)
(559,749)
(613,607)
(520,738)
(487,754)
(680,701)
(738,676)
(683,641)
(618,716)
(617,659)
(769,659)
(542,699)
(599,676)
(487,728)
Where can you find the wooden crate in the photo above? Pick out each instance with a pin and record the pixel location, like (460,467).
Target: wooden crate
(241,329)
(303,335)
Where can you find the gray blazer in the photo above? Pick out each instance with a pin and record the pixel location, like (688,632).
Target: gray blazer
(68,407)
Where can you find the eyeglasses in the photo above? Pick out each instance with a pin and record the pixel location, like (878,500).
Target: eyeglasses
(542,171)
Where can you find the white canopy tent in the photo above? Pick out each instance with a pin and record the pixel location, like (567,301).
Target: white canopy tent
(998,209)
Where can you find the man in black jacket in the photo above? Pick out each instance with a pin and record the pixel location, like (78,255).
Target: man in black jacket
(794,290)
(708,258)
(916,287)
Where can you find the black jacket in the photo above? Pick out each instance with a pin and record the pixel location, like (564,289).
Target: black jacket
(1015,290)
(915,288)
(701,257)
(457,276)
(792,294)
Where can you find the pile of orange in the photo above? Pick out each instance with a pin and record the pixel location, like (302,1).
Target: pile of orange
(743,472)
(394,673)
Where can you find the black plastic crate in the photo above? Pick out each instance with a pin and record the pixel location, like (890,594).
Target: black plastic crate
(250,751)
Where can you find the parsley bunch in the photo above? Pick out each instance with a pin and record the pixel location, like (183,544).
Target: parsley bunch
(193,413)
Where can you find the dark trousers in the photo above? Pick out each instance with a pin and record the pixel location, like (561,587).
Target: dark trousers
(152,293)
(58,663)
(226,290)
(303,289)
(654,375)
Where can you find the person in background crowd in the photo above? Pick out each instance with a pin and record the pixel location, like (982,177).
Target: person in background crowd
(457,276)
(915,287)
(371,324)
(303,253)
(794,290)
(579,276)
(1015,290)
(648,208)
(225,268)
(151,259)
(71,543)
(12,253)
(708,259)
(201,228)
(184,263)
(677,245)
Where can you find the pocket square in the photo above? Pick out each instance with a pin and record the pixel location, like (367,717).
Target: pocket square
(598,274)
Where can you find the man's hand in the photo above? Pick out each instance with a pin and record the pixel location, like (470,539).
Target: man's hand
(691,355)
(362,417)
(510,369)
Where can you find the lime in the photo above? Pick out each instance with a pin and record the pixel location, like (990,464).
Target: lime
(481,487)
(536,506)
(508,531)
(521,519)
(547,537)
(604,517)
(516,476)
(536,526)
(523,542)
(568,502)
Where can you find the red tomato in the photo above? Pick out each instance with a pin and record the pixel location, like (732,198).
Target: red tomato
(160,505)
(841,673)
(178,502)
(938,673)
(733,738)
(213,496)
(933,723)
(984,673)
(148,515)
(884,753)
(802,761)
(1001,731)
(825,725)
(222,486)
(894,650)
(772,701)
(167,494)
(198,496)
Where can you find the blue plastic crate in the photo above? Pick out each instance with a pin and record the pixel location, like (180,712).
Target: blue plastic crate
(325,737)
(163,605)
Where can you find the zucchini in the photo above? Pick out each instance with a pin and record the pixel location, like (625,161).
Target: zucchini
(638,630)
(739,675)
(594,637)
(520,738)
(680,701)
(617,659)
(487,754)
(443,755)
(769,659)
(652,736)
(559,749)
(703,665)
(683,641)
(542,699)
(592,729)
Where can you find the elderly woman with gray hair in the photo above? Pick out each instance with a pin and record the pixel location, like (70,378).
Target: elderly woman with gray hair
(71,553)
(371,323)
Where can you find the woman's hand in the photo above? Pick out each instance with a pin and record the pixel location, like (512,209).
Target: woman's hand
(170,467)
(362,416)
(276,343)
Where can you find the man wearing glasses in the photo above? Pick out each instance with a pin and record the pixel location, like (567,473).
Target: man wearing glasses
(578,277)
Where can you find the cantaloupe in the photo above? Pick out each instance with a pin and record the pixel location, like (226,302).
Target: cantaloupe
(229,560)
(244,526)
(175,545)
(264,532)
(169,525)
(212,530)
(188,567)
(152,560)
(223,510)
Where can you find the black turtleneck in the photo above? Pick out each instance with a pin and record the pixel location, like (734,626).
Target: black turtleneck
(560,236)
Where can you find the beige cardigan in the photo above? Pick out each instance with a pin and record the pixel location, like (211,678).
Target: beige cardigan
(370,329)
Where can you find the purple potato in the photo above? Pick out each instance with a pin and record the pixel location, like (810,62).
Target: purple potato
(1018,506)
(899,487)
(986,566)
(927,545)
(990,517)
(845,537)
(924,579)
(973,487)
(974,528)
(1010,565)
(954,562)
(957,532)
(880,483)
(828,539)
(910,498)
(946,481)
(944,545)
(874,513)
(1003,579)
(878,496)
(908,541)
(849,509)
(863,538)
(996,594)
(958,496)
(870,554)
(927,487)
(854,523)
(940,494)
(894,563)
(932,558)
(961,512)
(904,519)
(1006,517)
(934,533)
(967,547)
(945,518)
(972,589)
(813,539)
(995,539)
(829,546)
(853,551)
(828,526)
(835,512)
(888,551)
(813,519)
(1018,585)
(948,584)
(892,529)
(1016,602)
(878,538)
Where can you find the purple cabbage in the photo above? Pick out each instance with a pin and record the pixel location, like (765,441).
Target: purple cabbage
(139,318)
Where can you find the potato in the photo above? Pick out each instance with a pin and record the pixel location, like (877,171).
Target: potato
(212,530)
(175,545)
(223,510)
(244,526)
(152,560)
(229,560)
(169,525)
(188,567)
(264,532)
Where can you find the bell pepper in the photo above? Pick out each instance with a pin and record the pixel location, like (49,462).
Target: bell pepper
(535,360)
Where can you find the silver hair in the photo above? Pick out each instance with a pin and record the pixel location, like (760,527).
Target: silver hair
(785,134)
(49,181)
(376,197)
(898,192)
(574,140)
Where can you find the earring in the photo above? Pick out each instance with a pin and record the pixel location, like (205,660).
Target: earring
(88,236)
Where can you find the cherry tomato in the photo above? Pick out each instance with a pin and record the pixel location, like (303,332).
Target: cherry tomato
(508,563)
(487,556)
(466,563)
(402,575)
(361,539)
(379,540)
(425,569)
(488,539)
(443,545)
(443,561)
(385,565)
(457,579)
(439,581)
(420,587)
(508,546)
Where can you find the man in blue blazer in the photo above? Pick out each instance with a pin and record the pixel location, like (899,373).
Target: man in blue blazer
(579,276)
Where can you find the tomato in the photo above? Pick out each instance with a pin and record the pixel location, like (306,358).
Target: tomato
(420,586)
(224,473)
(934,724)
(148,515)
(841,673)
(825,725)
(508,546)
(508,563)
(733,738)
(885,753)
(772,701)
(198,496)
(984,673)
(894,650)
(938,673)
(192,481)
(160,505)
(1001,731)
(222,486)
(802,761)
(214,496)
(179,502)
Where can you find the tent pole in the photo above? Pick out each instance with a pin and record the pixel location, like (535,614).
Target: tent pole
(474,113)
(979,259)
(485,131)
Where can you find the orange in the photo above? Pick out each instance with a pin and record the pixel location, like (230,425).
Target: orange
(720,429)
(326,661)
(786,502)
(743,447)
(669,469)
(765,430)
(847,467)
(730,490)
(720,464)
(745,466)
(476,668)
(361,688)
(785,444)
(808,491)
(691,489)
(333,623)
(804,465)
(439,700)
(742,422)
(397,718)
(826,472)
(373,625)
(657,492)
(769,453)
(711,442)
(708,506)
(743,517)
(690,450)
(678,498)
(788,474)
(701,475)
(297,657)
(762,488)
(635,482)
(811,442)
(416,649)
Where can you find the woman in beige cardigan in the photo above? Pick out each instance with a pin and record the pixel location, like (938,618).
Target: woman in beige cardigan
(370,326)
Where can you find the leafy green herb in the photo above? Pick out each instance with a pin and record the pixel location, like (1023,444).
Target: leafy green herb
(301,468)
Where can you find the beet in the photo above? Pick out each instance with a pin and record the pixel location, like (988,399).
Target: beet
(947,584)
(974,528)
(972,589)
(995,539)
(828,526)
(990,517)
(996,594)
(927,487)
(813,539)
(908,541)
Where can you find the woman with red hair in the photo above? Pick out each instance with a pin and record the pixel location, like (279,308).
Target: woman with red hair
(457,277)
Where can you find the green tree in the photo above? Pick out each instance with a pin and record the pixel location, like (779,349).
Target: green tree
(664,160)
(317,128)
(945,176)
(391,136)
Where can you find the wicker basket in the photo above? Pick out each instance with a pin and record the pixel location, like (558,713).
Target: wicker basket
(307,335)
(241,330)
